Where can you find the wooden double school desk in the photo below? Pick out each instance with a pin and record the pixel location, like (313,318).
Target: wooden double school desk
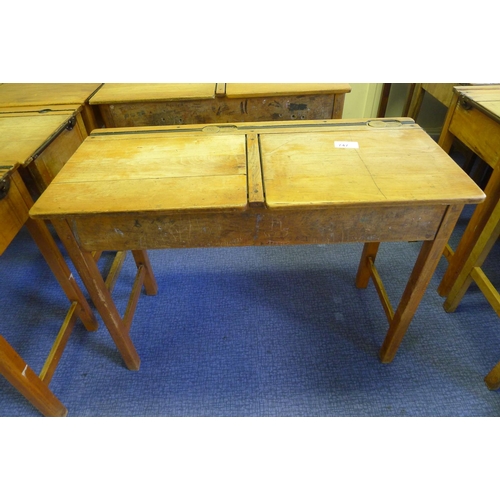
(266,183)
(145,104)
(35,142)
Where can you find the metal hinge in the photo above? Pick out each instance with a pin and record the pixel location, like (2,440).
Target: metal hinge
(4,181)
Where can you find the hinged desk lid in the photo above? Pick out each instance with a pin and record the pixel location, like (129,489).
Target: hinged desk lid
(45,94)
(377,163)
(111,93)
(149,172)
(484,97)
(244,90)
(24,134)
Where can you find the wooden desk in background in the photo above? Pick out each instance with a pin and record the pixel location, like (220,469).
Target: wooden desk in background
(48,95)
(474,119)
(134,105)
(285,183)
(15,202)
(39,140)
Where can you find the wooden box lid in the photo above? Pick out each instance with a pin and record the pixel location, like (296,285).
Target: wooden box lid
(246,90)
(45,94)
(149,172)
(119,93)
(380,162)
(26,131)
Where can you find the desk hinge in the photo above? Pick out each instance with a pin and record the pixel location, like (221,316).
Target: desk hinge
(465,103)
(71,123)
(4,181)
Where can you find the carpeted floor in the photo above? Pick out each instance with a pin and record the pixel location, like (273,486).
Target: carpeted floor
(268,331)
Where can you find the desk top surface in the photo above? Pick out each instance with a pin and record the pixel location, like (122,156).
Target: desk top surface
(484,97)
(114,93)
(25,131)
(45,94)
(310,165)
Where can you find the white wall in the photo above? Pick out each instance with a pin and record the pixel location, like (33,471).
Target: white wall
(363,100)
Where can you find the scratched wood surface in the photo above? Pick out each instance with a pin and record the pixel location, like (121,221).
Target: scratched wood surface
(256,226)
(157,171)
(132,105)
(23,134)
(151,173)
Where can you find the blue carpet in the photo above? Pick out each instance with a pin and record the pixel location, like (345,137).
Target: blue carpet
(257,331)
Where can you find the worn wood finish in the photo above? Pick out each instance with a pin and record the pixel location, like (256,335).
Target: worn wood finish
(479,130)
(132,105)
(50,95)
(41,141)
(13,215)
(13,211)
(256,226)
(192,186)
(471,269)
(423,270)
(26,381)
(443,92)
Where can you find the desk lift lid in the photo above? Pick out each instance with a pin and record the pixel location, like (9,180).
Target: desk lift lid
(45,94)
(183,168)
(26,131)
(120,93)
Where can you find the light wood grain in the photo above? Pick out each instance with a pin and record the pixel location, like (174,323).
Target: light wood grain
(45,94)
(390,166)
(22,135)
(246,90)
(111,93)
(164,172)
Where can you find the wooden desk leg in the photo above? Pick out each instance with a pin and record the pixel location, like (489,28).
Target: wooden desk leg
(338,105)
(25,380)
(369,252)
(48,248)
(89,273)
(492,380)
(476,259)
(141,259)
(424,268)
(446,137)
(475,227)
(50,251)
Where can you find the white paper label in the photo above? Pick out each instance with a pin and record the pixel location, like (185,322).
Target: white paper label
(346,144)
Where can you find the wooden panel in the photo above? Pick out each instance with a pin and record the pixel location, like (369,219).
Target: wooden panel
(111,93)
(304,169)
(13,214)
(443,92)
(477,131)
(257,226)
(23,134)
(204,171)
(246,90)
(45,94)
(46,166)
(219,110)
